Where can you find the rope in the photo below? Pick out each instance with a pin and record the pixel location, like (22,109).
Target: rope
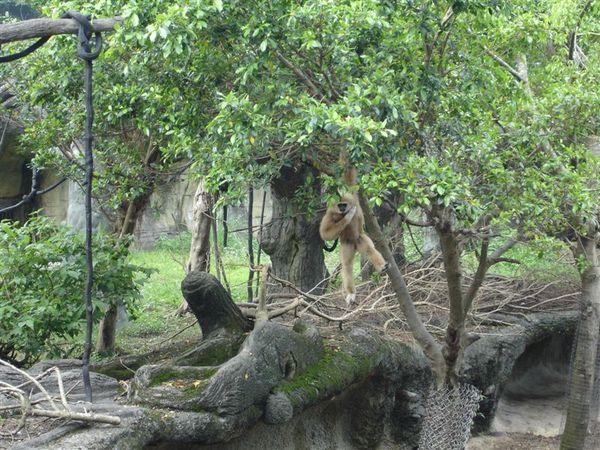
(330,248)
(29,50)
(85,52)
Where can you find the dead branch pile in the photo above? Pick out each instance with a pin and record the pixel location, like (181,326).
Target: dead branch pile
(376,307)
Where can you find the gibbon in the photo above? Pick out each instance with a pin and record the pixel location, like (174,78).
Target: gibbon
(345,220)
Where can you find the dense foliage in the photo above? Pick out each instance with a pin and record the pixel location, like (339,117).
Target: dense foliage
(42,276)
(474,115)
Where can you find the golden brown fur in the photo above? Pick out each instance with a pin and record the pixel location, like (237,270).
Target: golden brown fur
(345,220)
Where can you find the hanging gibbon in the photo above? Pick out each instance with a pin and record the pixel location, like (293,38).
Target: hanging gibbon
(345,221)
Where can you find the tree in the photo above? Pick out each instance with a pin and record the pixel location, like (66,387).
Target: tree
(420,96)
(421,111)
(42,275)
(554,116)
(393,86)
(145,129)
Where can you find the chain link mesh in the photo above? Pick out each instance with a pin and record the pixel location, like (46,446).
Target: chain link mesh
(449,414)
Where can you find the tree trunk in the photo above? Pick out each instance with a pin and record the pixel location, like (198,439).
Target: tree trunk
(250,242)
(582,372)
(455,331)
(199,258)
(391,222)
(225,226)
(431,243)
(212,305)
(107,331)
(430,346)
(292,238)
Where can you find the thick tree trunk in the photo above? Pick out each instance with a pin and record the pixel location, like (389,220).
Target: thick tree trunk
(583,377)
(221,321)
(292,238)
(107,331)
(455,331)
(199,258)
(212,305)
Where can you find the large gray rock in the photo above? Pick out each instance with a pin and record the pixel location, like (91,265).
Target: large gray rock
(270,354)
(363,391)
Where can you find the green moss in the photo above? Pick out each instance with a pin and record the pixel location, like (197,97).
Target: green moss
(212,354)
(195,389)
(219,354)
(331,374)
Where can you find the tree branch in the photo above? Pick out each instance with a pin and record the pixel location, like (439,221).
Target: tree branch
(430,346)
(572,39)
(38,28)
(312,87)
(495,257)
(504,64)
(477,281)
(65,413)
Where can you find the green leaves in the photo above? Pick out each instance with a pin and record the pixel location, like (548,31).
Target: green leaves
(42,277)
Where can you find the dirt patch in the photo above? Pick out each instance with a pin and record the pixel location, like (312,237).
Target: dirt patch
(512,441)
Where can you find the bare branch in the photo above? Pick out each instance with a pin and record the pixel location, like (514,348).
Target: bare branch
(28,409)
(506,65)
(308,82)
(430,346)
(39,28)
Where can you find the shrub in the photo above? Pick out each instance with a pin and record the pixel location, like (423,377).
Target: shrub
(42,279)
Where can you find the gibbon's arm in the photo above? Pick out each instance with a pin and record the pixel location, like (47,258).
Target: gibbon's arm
(330,229)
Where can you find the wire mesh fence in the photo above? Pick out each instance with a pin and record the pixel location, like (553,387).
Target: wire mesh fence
(449,414)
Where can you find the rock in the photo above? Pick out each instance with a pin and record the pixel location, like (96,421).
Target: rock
(270,354)
(212,305)
(364,391)
(278,409)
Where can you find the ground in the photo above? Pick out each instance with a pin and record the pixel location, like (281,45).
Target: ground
(512,441)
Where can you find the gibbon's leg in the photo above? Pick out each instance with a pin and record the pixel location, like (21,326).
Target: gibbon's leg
(330,230)
(347,257)
(365,247)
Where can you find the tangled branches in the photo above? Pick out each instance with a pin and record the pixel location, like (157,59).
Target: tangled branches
(25,405)
(498,300)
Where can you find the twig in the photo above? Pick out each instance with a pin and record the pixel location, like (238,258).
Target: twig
(27,408)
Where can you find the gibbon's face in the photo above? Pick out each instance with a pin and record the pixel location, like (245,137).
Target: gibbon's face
(342,207)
